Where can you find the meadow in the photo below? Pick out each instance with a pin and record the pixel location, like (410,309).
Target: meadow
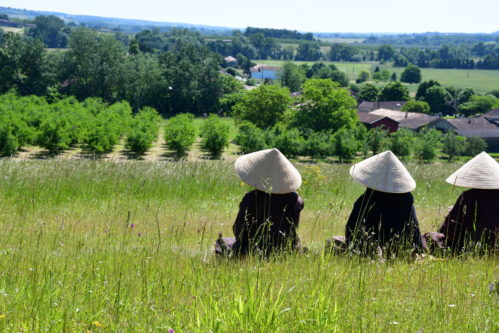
(127,246)
(482,81)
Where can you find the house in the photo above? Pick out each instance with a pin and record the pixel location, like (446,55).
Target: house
(493,116)
(410,120)
(366,106)
(372,121)
(264,72)
(230,61)
(479,126)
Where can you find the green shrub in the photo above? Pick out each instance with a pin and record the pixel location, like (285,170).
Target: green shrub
(288,141)
(317,144)
(377,140)
(346,145)
(143,131)
(402,143)
(250,138)
(428,144)
(452,145)
(215,136)
(474,146)
(180,133)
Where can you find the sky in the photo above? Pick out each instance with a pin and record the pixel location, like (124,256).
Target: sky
(304,15)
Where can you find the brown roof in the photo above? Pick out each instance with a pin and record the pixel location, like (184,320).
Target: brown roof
(411,120)
(494,113)
(369,118)
(475,126)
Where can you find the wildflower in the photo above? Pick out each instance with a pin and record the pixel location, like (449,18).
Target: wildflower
(132,225)
(171,330)
(97,324)
(2,316)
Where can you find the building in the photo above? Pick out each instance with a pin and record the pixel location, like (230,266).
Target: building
(389,105)
(230,61)
(479,126)
(410,120)
(264,72)
(373,121)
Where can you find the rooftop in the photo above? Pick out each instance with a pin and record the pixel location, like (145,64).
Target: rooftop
(412,120)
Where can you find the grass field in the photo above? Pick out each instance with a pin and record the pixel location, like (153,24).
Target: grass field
(127,247)
(11,29)
(482,81)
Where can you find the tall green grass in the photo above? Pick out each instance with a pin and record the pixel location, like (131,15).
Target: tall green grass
(127,247)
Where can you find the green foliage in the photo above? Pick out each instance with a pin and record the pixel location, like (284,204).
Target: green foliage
(428,143)
(394,91)
(346,144)
(377,140)
(263,106)
(317,144)
(369,92)
(423,88)
(363,76)
(411,74)
(143,131)
(228,102)
(438,98)
(288,140)
(474,146)
(291,76)
(250,138)
(325,106)
(477,105)
(383,75)
(416,106)
(403,143)
(51,30)
(215,136)
(452,145)
(180,133)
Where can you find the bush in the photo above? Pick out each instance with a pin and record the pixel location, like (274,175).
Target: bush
(55,133)
(317,144)
(402,143)
(346,145)
(215,136)
(377,140)
(474,146)
(416,106)
(452,145)
(143,131)
(250,138)
(180,133)
(288,141)
(429,141)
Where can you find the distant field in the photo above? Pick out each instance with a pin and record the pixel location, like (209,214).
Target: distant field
(342,40)
(481,80)
(11,29)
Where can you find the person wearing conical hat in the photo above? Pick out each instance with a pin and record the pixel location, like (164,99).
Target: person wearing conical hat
(474,218)
(269,215)
(383,217)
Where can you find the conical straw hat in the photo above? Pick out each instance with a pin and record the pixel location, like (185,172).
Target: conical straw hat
(269,171)
(383,172)
(482,171)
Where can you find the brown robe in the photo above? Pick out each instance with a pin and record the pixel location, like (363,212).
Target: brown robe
(474,218)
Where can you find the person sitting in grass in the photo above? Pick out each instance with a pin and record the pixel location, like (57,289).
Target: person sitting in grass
(269,215)
(473,221)
(383,219)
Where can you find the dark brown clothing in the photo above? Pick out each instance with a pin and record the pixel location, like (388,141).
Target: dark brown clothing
(383,219)
(474,218)
(267,222)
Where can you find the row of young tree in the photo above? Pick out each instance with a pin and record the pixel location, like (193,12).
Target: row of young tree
(66,123)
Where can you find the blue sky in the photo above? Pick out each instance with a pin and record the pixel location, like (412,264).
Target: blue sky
(311,15)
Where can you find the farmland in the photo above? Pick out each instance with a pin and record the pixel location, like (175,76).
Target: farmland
(482,81)
(127,246)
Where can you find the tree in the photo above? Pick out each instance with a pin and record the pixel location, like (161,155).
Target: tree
(289,141)
(394,91)
(325,106)
(50,30)
(377,139)
(438,99)
(465,95)
(474,146)
(428,143)
(423,88)
(250,138)
(385,52)
(402,143)
(143,131)
(452,145)
(383,75)
(263,106)
(369,92)
(393,77)
(346,144)
(308,51)
(416,106)
(180,133)
(291,76)
(363,76)
(215,136)
(478,105)
(317,144)
(411,74)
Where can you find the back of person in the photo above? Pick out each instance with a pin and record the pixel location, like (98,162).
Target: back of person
(474,217)
(383,219)
(267,222)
